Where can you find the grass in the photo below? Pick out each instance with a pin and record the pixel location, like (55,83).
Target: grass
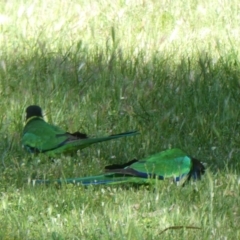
(168,68)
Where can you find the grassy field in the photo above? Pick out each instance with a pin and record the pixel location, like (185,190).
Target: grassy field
(167,68)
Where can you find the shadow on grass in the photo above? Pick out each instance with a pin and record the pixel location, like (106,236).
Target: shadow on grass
(190,103)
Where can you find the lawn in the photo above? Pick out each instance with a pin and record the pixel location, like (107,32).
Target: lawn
(169,69)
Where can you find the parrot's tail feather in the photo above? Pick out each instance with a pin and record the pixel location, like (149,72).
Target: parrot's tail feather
(125,134)
(106,179)
(72,144)
(102,139)
(88,141)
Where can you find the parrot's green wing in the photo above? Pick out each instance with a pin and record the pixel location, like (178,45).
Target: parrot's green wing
(40,136)
(169,163)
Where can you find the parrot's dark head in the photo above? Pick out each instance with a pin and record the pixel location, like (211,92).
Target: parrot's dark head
(197,169)
(33,111)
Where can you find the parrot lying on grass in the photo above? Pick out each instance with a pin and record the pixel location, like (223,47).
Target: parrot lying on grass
(42,137)
(172,163)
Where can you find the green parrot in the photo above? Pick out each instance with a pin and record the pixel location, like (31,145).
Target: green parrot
(172,163)
(42,137)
